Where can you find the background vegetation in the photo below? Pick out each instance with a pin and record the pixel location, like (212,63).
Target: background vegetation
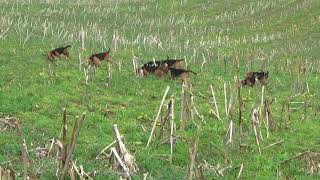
(281,36)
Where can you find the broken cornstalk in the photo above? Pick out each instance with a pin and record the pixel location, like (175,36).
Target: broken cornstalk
(186,110)
(24,150)
(240,101)
(194,149)
(70,147)
(216,113)
(255,125)
(157,117)
(121,156)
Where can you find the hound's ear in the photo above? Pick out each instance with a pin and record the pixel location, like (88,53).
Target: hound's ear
(108,51)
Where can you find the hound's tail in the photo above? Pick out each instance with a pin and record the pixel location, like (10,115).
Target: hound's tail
(67,46)
(180,59)
(44,54)
(192,72)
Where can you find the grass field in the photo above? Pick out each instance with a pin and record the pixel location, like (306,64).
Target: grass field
(281,36)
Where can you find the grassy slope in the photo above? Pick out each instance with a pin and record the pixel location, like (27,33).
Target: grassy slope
(275,34)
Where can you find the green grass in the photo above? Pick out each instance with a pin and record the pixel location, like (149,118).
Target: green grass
(277,35)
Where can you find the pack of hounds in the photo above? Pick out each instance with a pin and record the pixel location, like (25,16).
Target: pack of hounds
(171,67)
